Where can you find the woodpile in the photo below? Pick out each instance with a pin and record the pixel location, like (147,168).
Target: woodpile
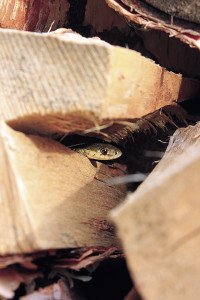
(100,76)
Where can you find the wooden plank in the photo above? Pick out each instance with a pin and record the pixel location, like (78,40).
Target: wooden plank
(60,83)
(159,224)
(52,197)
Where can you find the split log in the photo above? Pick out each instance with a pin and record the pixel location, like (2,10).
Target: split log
(33,15)
(172,53)
(52,197)
(148,17)
(188,10)
(62,83)
(168,51)
(159,223)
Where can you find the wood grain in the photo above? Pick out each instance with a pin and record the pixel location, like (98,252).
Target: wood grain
(33,15)
(61,83)
(159,223)
(52,197)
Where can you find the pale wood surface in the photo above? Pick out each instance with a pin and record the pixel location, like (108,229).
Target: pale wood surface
(59,84)
(159,224)
(52,197)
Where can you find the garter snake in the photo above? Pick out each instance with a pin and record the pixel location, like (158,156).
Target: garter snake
(99,151)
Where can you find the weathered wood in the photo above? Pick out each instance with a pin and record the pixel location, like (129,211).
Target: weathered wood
(187,9)
(59,83)
(159,223)
(150,18)
(52,197)
(168,51)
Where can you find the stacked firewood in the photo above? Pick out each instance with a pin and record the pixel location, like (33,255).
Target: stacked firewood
(123,73)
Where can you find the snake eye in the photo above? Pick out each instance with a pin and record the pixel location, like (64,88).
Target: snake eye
(104,151)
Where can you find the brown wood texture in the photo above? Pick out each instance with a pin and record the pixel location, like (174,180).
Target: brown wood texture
(52,197)
(33,15)
(159,223)
(168,51)
(101,17)
(172,53)
(61,83)
(147,17)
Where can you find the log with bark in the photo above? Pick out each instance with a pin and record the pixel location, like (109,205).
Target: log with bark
(58,87)
(140,13)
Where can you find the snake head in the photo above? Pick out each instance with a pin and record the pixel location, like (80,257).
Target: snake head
(100,151)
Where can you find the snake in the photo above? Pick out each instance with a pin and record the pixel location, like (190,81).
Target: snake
(99,151)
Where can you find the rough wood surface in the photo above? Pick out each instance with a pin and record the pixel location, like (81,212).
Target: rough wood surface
(159,224)
(52,197)
(59,83)
(185,9)
(147,17)
(172,53)
(167,50)
(33,15)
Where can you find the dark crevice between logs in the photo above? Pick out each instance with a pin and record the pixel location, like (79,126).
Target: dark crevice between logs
(76,16)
